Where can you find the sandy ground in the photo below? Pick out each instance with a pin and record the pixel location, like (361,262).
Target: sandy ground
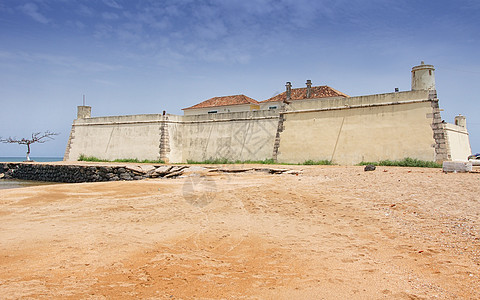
(329,233)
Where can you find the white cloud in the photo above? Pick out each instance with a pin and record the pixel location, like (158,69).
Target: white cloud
(31,10)
(112,4)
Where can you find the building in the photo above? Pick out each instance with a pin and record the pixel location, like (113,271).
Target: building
(308,123)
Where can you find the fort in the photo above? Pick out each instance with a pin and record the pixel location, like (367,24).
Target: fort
(309,123)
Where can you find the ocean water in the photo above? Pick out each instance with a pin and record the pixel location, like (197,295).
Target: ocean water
(22,158)
(16,183)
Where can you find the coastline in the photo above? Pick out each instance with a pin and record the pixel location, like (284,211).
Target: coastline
(34,158)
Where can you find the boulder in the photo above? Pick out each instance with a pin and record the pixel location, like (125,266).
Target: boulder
(369,168)
(457,166)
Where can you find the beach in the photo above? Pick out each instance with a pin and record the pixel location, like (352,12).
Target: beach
(330,232)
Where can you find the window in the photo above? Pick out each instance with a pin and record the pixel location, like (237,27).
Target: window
(212,112)
(272,107)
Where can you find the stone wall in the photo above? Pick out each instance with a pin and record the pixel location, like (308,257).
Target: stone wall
(367,128)
(136,136)
(78,173)
(235,136)
(347,131)
(67,173)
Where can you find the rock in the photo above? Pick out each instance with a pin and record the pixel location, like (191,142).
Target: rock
(178,168)
(174,174)
(2,175)
(125,176)
(147,168)
(293,172)
(161,171)
(277,171)
(457,166)
(369,168)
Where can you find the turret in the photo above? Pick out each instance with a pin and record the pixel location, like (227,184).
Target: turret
(84,112)
(461,121)
(423,77)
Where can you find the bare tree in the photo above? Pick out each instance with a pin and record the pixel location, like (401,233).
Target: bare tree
(37,137)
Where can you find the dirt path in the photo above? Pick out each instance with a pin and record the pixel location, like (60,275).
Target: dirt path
(329,233)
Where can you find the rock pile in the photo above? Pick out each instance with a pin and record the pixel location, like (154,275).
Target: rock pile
(78,173)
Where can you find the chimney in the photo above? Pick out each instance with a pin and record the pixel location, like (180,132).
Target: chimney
(289,90)
(309,88)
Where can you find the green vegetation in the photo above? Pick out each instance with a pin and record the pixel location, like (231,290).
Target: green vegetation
(211,161)
(317,162)
(225,161)
(268,161)
(130,160)
(406,162)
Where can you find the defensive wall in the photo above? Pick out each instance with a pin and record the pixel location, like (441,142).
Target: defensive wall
(344,130)
(367,128)
(237,136)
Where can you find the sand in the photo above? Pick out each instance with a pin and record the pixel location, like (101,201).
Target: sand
(331,232)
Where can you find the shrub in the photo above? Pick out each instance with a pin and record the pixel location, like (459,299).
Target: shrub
(406,162)
(130,160)
(317,162)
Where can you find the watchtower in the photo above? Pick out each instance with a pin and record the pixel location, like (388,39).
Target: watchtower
(423,77)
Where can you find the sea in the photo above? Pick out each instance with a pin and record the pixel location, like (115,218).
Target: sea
(15,183)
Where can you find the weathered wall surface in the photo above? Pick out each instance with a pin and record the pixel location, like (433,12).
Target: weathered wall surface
(368,128)
(458,142)
(235,136)
(345,130)
(136,136)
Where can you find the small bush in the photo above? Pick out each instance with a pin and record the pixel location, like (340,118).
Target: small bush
(226,161)
(406,162)
(318,162)
(129,160)
(91,158)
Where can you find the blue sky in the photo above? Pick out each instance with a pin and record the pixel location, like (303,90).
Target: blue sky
(135,57)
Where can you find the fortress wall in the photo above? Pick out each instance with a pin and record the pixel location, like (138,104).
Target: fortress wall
(135,136)
(458,142)
(341,102)
(235,136)
(370,133)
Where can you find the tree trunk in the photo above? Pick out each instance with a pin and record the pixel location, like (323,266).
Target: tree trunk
(28,152)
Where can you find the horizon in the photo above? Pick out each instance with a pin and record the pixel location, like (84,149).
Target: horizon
(141,57)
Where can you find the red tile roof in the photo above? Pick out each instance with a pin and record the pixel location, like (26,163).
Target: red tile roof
(225,100)
(323,91)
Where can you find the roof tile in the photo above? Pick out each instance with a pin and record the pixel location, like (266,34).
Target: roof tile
(323,91)
(223,101)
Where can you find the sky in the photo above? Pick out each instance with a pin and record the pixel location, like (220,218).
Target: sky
(140,57)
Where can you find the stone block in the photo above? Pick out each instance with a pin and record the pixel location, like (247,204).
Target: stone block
(457,166)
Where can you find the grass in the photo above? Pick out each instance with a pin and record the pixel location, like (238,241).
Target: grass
(317,162)
(225,161)
(268,161)
(129,160)
(406,162)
